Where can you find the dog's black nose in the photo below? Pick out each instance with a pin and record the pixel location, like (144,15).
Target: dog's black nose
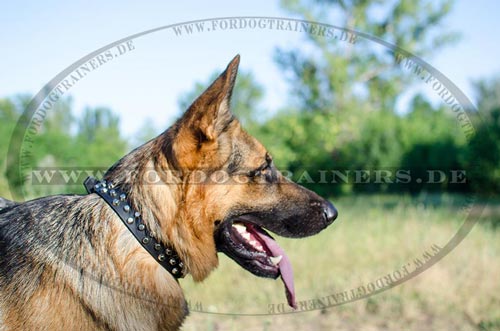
(329,211)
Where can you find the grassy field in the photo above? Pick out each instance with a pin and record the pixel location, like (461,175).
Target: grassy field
(373,236)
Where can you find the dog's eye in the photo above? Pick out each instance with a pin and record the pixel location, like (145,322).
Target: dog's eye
(254,173)
(266,170)
(262,171)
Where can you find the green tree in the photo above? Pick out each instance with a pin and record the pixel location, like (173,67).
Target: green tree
(301,145)
(63,140)
(10,110)
(54,143)
(99,141)
(483,154)
(9,113)
(353,88)
(335,76)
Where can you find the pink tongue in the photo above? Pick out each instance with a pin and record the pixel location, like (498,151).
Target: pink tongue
(285,268)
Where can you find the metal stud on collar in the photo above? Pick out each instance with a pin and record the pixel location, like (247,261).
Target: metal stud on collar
(114,197)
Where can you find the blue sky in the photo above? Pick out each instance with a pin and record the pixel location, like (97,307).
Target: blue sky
(40,39)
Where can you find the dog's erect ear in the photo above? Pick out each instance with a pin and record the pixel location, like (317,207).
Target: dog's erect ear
(209,114)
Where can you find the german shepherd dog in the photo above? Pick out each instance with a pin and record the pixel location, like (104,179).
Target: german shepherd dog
(69,262)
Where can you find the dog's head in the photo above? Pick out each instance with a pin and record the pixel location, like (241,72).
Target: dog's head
(228,190)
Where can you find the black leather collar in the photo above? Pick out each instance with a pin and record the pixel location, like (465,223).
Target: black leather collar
(167,257)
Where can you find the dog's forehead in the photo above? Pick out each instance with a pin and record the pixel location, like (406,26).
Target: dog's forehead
(255,152)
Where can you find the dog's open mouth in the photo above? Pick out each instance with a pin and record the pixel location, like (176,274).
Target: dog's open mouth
(256,251)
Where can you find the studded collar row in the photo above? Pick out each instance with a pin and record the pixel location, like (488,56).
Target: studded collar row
(167,257)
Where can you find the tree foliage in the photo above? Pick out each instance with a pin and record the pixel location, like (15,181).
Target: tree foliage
(345,94)
(88,142)
(335,76)
(340,114)
(484,150)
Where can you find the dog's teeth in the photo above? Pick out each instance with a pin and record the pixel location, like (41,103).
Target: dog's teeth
(240,228)
(276,259)
(245,235)
(256,244)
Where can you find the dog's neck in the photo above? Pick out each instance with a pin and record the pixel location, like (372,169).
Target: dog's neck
(142,176)
(156,189)
(117,199)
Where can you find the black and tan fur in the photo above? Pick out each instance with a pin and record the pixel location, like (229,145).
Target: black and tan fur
(68,263)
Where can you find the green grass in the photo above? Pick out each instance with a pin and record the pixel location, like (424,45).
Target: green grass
(373,236)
